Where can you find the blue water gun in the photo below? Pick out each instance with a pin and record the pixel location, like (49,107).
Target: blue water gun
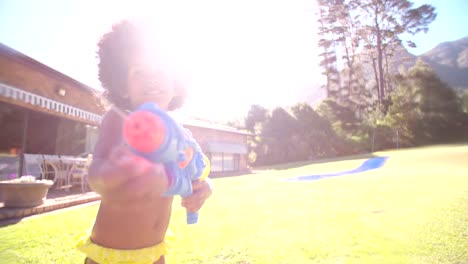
(152,134)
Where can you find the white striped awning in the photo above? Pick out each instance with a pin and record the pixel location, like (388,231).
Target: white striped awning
(46,103)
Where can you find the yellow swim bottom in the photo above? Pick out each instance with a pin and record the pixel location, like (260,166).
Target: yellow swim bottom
(103,255)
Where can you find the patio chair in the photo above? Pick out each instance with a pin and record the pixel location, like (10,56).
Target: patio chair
(48,169)
(59,169)
(79,173)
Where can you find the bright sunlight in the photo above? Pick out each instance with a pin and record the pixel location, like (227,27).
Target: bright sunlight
(235,53)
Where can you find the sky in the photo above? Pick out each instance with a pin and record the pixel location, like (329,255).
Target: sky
(235,53)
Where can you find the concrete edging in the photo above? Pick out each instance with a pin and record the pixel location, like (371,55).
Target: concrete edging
(48,206)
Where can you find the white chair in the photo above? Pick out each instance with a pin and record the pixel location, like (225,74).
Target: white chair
(48,171)
(79,173)
(59,169)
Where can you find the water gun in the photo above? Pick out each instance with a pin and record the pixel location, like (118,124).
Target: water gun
(152,134)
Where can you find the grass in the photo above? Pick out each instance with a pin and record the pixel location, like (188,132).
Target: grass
(412,210)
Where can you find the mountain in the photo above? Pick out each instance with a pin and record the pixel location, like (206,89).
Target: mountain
(450,61)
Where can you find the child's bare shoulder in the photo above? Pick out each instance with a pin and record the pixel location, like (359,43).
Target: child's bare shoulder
(112,119)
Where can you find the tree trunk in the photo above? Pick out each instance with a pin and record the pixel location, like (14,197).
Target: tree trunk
(376,76)
(387,73)
(350,69)
(338,75)
(327,66)
(381,83)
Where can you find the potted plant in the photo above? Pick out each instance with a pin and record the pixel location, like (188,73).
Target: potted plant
(26,191)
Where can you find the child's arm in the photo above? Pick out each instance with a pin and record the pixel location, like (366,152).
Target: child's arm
(202,190)
(118,174)
(108,138)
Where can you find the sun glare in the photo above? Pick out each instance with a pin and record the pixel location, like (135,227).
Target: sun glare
(230,54)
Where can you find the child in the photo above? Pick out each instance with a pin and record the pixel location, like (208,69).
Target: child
(133,217)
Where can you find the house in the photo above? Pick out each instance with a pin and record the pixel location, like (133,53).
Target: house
(225,146)
(43,111)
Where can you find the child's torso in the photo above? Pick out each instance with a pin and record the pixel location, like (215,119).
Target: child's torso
(129,225)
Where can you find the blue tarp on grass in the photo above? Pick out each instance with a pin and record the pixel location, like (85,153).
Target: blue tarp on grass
(370,164)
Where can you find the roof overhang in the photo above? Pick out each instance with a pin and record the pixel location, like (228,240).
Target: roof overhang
(10,94)
(221,147)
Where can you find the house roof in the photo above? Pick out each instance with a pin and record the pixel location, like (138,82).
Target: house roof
(224,147)
(19,57)
(15,55)
(82,103)
(211,125)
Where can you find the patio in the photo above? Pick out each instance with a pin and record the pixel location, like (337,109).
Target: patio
(56,199)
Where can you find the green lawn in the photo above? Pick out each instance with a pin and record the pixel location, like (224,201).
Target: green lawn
(412,210)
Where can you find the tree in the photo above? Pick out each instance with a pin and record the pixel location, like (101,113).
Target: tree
(314,137)
(256,115)
(342,118)
(278,133)
(347,26)
(463,94)
(424,109)
(383,22)
(254,122)
(345,124)
(372,28)
(328,42)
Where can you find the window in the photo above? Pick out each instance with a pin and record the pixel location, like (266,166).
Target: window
(224,162)
(216,162)
(228,162)
(236,162)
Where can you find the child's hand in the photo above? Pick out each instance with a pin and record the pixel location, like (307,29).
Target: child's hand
(201,191)
(125,176)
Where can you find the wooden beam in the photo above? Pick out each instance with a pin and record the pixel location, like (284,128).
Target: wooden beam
(24,141)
